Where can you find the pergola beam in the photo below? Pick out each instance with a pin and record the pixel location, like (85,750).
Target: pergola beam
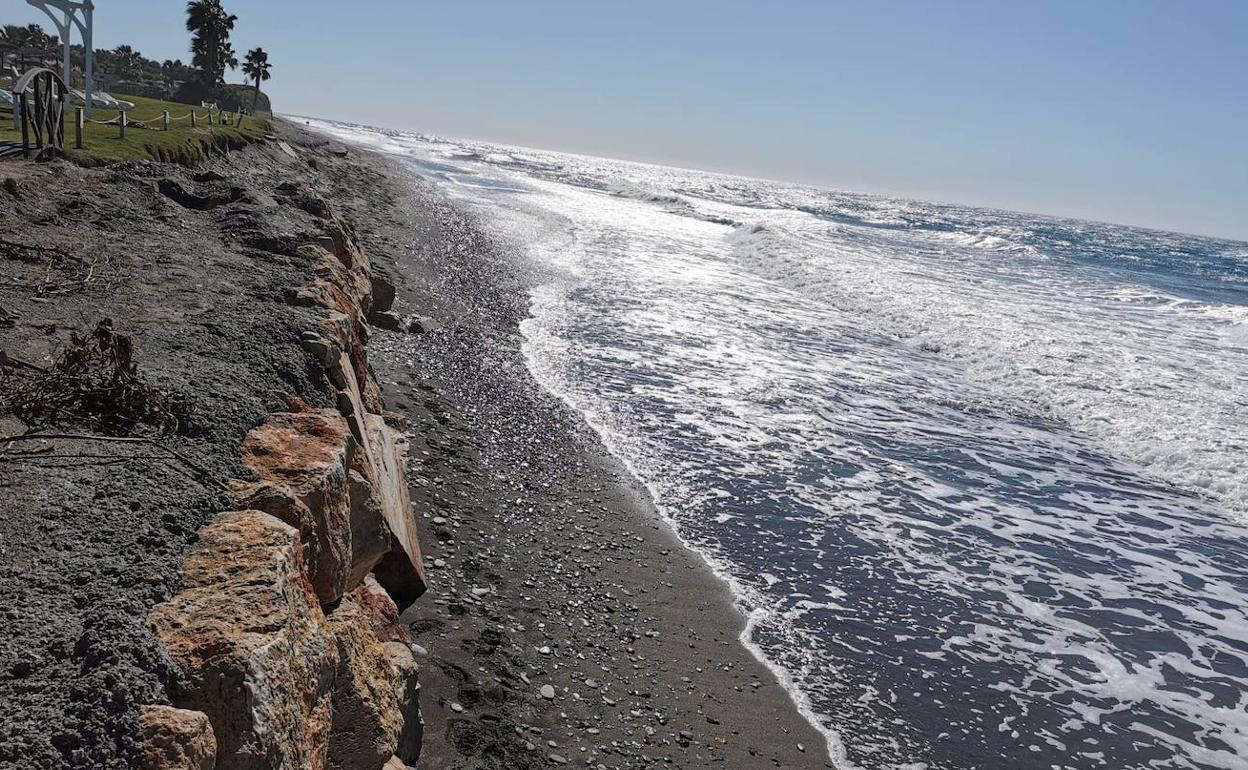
(65,15)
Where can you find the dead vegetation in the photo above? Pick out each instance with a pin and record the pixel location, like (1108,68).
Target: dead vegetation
(62,273)
(94,381)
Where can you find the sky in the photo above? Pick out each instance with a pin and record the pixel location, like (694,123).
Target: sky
(1129,111)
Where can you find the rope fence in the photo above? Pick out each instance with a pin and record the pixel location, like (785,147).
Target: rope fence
(161,122)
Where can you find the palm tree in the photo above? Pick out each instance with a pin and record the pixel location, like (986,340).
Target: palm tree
(256,68)
(210,26)
(128,60)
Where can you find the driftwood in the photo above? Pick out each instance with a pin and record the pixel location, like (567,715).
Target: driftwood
(94,380)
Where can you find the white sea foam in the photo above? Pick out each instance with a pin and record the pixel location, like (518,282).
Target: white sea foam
(974,476)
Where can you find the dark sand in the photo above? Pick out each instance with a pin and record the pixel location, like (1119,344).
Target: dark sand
(92,533)
(548,565)
(548,568)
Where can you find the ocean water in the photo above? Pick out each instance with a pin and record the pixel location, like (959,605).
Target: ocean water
(978,478)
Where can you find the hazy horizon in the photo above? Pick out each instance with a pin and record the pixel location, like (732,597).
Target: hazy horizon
(1125,112)
(762,177)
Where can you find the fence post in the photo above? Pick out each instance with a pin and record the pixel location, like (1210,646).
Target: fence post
(78,124)
(122,123)
(165,116)
(20,107)
(192,118)
(210,116)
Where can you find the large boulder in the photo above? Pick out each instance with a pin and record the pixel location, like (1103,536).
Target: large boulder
(382,291)
(402,571)
(370,535)
(367,718)
(254,649)
(404,671)
(309,454)
(177,739)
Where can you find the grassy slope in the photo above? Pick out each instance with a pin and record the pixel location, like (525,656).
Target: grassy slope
(180,143)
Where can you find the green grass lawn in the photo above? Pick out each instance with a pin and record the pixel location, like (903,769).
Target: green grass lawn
(180,143)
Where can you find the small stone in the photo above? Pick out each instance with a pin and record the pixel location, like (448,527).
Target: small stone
(558,760)
(439,563)
(801,748)
(419,651)
(548,692)
(457,708)
(419,324)
(545,650)
(439,519)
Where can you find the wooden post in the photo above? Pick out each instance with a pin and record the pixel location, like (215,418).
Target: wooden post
(192,118)
(78,125)
(210,116)
(165,116)
(20,106)
(121,122)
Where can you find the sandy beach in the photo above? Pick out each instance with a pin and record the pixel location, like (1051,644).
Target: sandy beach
(549,567)
(564,623)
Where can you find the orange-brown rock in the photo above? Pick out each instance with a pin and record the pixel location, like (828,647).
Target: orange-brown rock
(383,612)
(254,649)
(177,739)
(367,718)
(310,454)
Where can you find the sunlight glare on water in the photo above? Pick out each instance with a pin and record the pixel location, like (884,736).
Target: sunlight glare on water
(978,477)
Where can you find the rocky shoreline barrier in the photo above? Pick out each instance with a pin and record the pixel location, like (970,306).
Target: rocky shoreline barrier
(285,629)
(217,559)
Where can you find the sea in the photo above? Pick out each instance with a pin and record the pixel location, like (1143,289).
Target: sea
(978,478)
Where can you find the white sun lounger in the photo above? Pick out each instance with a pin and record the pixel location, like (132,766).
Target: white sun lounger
(101,100)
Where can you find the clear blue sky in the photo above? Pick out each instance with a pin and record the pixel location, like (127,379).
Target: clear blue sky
(1131,111)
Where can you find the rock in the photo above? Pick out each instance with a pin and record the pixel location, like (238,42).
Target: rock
(382,293)
(420,324)
(548,692)
(401,572)
(370,534)
(386,319)
(383,612)
(396,764)
(404,671)
(309,454)
(177,739)
(253,647)
(367,720)
(338,150)
(324,351)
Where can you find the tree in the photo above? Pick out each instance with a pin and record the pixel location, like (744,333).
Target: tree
(29,36)
(127,61)
(210,26)
(256,68)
